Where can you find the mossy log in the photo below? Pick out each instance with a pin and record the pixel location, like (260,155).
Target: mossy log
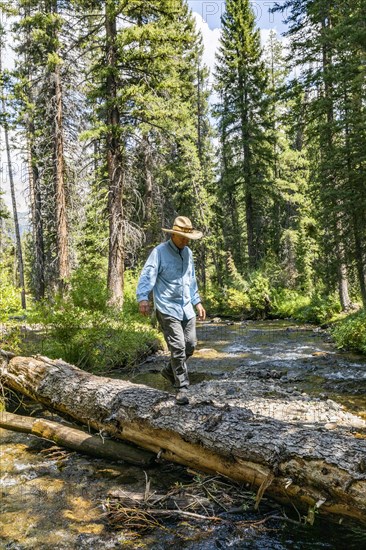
(311,465)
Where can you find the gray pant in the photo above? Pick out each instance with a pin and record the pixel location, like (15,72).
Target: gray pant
(181,339)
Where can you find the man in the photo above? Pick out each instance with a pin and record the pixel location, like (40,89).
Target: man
(169,273)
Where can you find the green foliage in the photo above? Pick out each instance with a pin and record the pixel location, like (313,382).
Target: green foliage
(259,293)
(83,330)
(226,301)
(287,303)
(249,299)
(245,135)
(316,308)
(320,310)
(333,125)
(9,298)
(89,291)
(237,302)
(11,336)
(350,332)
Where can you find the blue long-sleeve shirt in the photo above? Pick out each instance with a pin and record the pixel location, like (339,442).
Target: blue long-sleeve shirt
(169,273)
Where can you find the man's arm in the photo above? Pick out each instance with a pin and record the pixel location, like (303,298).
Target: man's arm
(147,282)
(195,297)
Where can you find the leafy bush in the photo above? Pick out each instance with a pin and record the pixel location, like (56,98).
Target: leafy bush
(103,348)
(287,303)
(320,309)
(309,309)
(9,299)
(350,332)
(226,301)
(130,306)
(83,330)
(237,301)
(259,293)
(89,290)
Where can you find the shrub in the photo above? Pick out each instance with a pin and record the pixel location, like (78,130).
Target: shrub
(350,332)
(237,301)
(9,299)
(89,290)
(320,309)
(259,293)
(83,330)
(287,303)
(227,301)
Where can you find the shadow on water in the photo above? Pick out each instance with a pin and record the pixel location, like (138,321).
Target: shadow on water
(50,501)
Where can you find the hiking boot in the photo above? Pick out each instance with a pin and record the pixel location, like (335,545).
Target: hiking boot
(182,396)
(167,373)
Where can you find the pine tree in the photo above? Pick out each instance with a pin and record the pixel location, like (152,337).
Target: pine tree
(142,95)
(45,97)
(321,37)
(291,242)
(244,126)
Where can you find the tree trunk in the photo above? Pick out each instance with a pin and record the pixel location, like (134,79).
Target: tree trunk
(36,209)
(75,439)
(247,174)
(148,198)
(313,465)
(116,174)
(342,278)
(60,188)
(342,271)
(15,212)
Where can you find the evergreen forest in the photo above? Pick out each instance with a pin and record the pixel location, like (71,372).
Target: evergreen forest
(122,127)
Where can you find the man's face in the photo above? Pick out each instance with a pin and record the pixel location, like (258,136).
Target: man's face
(179,241)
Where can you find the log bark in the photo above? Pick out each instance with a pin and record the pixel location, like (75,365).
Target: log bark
(313,465)
(75,439)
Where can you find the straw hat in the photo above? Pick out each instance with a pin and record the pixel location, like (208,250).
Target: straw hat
(183,226)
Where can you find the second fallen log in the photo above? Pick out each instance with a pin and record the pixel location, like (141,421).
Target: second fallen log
(75,439)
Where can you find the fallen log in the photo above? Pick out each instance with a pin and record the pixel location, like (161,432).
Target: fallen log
(314,465)
(75,439)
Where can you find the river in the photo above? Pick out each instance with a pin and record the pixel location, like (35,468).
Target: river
(53,499)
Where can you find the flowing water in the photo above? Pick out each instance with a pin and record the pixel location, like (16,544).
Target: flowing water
(51,499)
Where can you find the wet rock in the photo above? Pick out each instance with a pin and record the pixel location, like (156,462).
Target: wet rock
(232,390)
(276,374)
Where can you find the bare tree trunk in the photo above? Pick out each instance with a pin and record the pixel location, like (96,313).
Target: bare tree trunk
(357,223)
(342,273)
(249,213)
(343,282)
(247,174)
(37,225)
(60,187)
(15,213)
(148,198)
(116,174)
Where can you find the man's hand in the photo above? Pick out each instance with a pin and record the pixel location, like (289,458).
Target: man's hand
(201,312)
(144,307)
